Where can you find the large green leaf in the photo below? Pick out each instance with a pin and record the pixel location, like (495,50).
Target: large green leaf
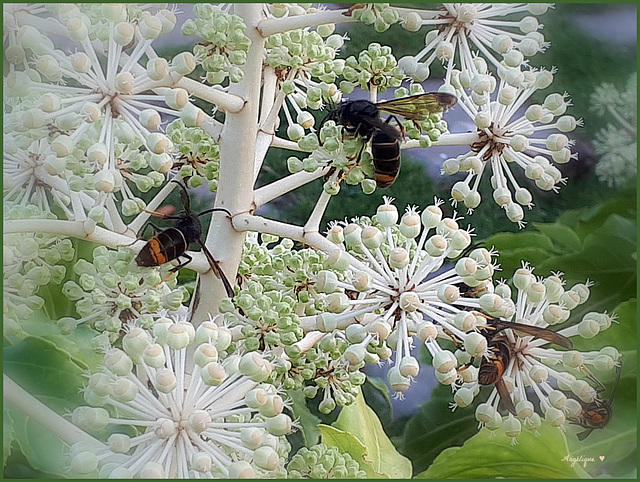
(490,455)
(77,344)
(362,423)
(44,451)
(308,421)
(8,434)
(560,235)
(435,427)
(46,372)
(613,447)
(348,443)
(53,377)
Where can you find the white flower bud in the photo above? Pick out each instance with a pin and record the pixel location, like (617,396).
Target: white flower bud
(399,258)
(158,68)
(431,216)
(241,470)
(448,293)
(372,237)
(426,331)
(154,356)
(445,51)
(362,281)
(444,361)
(409,301)
(278,425)
(326,281)
(512,426)
(475,344)
(123,33)
(398,382)
(554,417)
(485,413)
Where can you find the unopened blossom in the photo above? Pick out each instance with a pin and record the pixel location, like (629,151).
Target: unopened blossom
(30,261)
(463,34)
(617,142)
(322,461)
(388,281)
(544,380)
(199,158)
(306,68)
(214,419)
(277,289)
(509,138)
(96,105)
(112,291)
(225,46)
(380,15)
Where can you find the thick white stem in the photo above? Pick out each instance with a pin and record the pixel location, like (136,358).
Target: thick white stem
(273,25)
(313,223)
(231,103)
(237,159)
(282,186)
(460,139)
(249,222)
(77,229)
(39,412)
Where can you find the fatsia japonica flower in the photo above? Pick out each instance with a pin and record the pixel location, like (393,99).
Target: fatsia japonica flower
(324,462)
(510,139)
(617,143)
(209,420)
(461,31)
(96,106)
(277,289)
(306,68)
(543,378)
(112,291)
(30,261)
(391,280)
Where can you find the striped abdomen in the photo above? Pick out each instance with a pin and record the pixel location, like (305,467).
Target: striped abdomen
(162,248)
(385,150)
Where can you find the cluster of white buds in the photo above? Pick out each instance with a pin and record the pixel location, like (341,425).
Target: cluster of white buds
(279,289)
(617,143)
(29,262)
(225,45)
(459,27)
(510,139)
(199,158)
(299,57)
(388,281)
(95,107)
(112,291)
(380,15)
(540,381)
(375,69)
(212,419)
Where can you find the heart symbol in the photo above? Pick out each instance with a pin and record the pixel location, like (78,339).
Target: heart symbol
(601,458)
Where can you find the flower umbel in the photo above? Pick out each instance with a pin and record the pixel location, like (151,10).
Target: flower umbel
(532,373)
(216,422)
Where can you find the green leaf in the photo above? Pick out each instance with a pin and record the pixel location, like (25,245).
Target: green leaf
(8,434)
(435,427)
(560,234)
(348,443)
(77,344)
(308,421)
(45,371)
(616,442)
(43,450)
(361,422)
(490,455)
